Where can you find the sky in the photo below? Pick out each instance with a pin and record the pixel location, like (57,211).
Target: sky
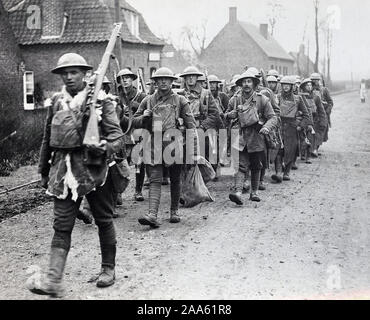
(351,43)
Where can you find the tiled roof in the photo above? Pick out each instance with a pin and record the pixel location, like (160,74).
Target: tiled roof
(270,46)
(88,21)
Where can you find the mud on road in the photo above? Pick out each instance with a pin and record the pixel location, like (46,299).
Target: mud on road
(307,239)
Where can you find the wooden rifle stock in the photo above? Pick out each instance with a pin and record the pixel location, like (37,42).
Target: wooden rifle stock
(263,76)
(92,130)
(141,80)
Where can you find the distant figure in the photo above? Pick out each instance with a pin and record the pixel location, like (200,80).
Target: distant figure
(363,92)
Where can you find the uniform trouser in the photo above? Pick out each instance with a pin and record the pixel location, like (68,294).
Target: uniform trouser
(102,208)
(155,174)
(248,161)
(140,170)
(140,176)
(210,152)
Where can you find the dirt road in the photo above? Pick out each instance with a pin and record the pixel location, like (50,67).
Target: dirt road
(308,238)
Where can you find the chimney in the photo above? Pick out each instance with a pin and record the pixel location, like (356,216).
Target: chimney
(264,29)
(52,18)
(233,15)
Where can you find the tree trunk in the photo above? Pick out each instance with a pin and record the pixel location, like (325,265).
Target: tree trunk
(317,36)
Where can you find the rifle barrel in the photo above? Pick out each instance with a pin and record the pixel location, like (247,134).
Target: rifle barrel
(19,187)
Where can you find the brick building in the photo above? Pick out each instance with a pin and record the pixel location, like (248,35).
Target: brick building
(46,29)
(240,44)
(303,65)
(10,61)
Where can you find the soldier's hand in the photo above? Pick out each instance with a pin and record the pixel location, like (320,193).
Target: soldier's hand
(232,114)
(44,181)
(147,113)
(299,128)
(264,131)
(99,149)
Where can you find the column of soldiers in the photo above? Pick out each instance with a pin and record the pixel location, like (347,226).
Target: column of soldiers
(274,118)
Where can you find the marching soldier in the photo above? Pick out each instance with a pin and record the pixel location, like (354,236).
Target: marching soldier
(221,98)
(202,80)
(69,175)
(171,111)
(326,99)
(130,98)
(317,110)
(203,106)
(269,94)
(290,104)
(256,118)
(276,154)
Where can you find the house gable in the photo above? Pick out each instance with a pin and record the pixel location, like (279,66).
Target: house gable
(230,51)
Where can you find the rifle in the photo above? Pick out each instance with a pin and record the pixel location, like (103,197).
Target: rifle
(8,137)
(263,76)
(212,142)
(18,187)
(206,74)
(141,80)
(92,131)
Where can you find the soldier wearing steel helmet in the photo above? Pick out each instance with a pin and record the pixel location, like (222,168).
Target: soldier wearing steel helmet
(323,92)
(203,107)
(202,80)
(130,99)
(233,88)
(319,116)
(68,177)
(273,134)
(290,104)
(255,118)
(221,98)
(222,102)
(162,111)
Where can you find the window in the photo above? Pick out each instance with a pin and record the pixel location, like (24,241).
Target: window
(28,91)
(272,67)
(280,69)
(132,20)
(285,71)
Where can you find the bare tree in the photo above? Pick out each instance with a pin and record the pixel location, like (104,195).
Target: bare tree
(196,37)
(275,14)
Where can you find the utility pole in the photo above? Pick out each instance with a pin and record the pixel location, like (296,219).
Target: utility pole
(117,19)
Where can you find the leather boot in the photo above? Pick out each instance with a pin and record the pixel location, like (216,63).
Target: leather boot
(107,275)
(138,196)
(174,217)
(278,177)
(52,284)
(255,180)
(85,217)
(286,176)
(149,219)
(236,196)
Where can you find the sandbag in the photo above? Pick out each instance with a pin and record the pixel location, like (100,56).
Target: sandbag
(206,169)
(194,190)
